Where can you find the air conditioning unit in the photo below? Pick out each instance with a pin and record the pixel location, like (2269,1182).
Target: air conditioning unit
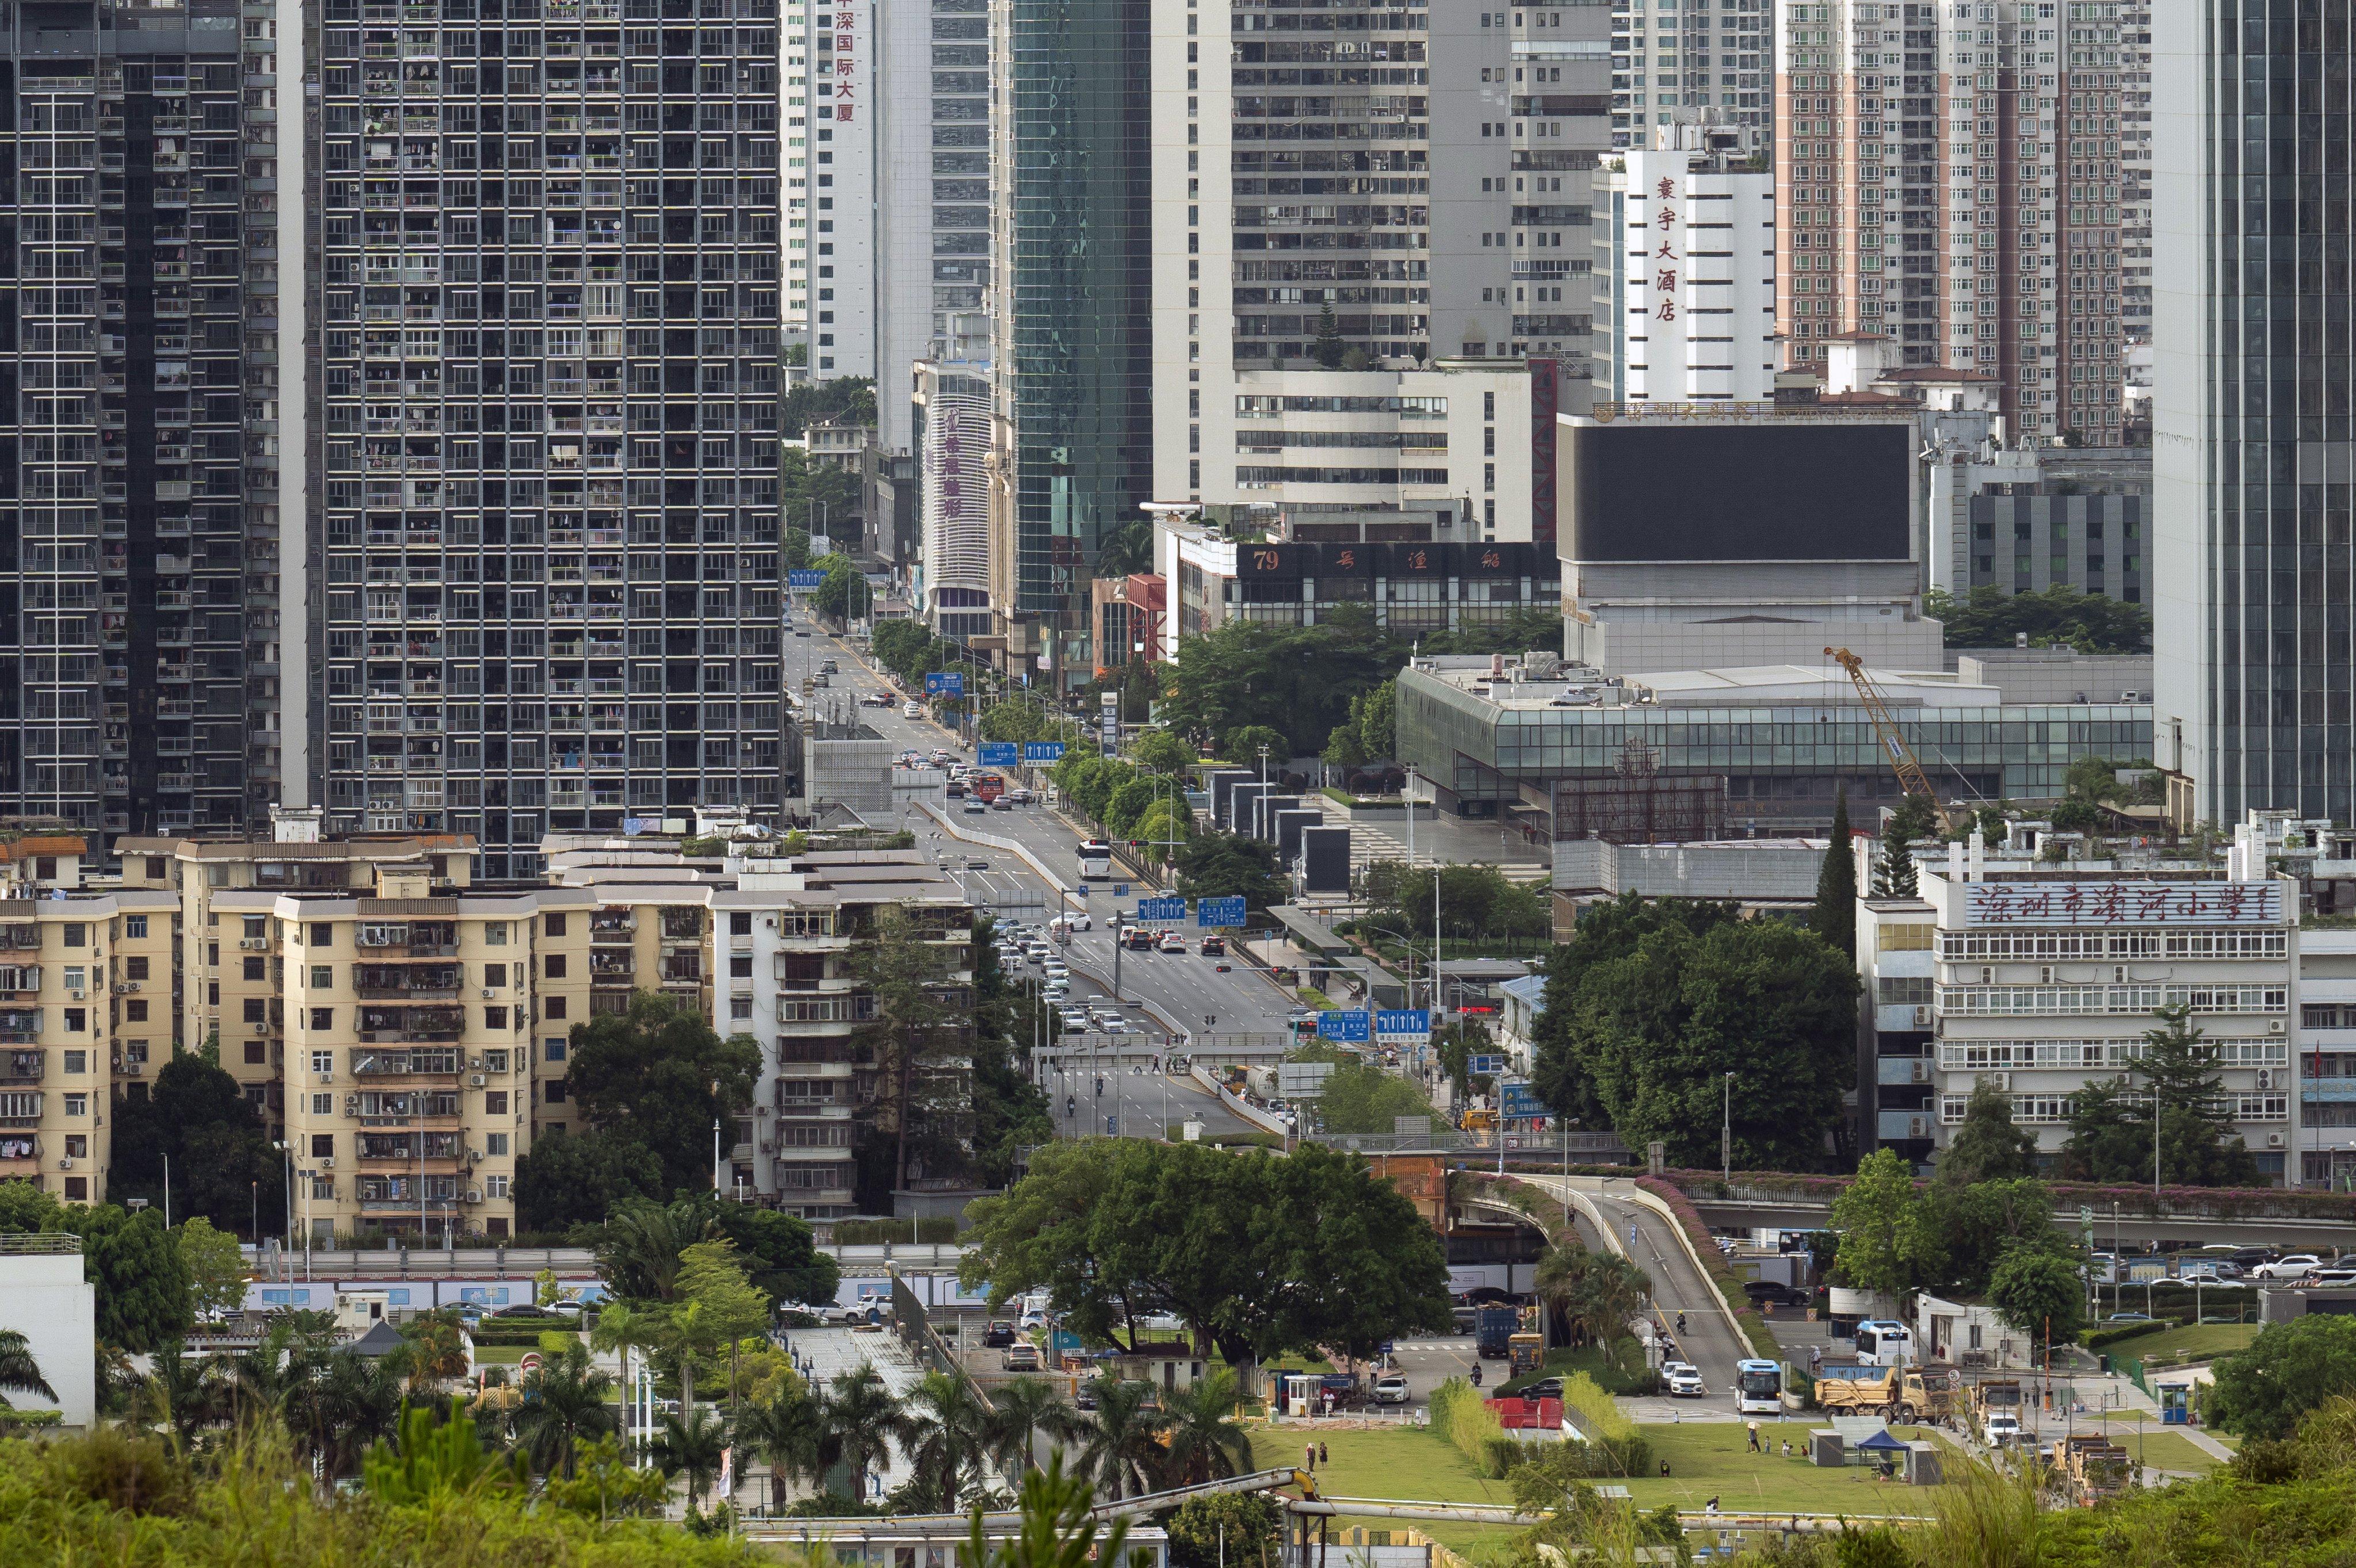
(2274,1026)
(326,1162)
(488,993)
(2130,697)
(1918,1127)
(474,1194)
(132,986)
(132,1069)
(327,1077)
(66,1164)
(120,989)
(2265,1080)
(760,1110)
(252,944)
(352,1104)
(475,1062)
(76,993)
(478,1079)
(769,1148)
(1922,1017)
(473,1156)
(1921,1070)
(2274,1140)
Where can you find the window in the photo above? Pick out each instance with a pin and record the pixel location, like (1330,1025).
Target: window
(494,1102)
(494,1145)
(555,1049)
(77,1061)
(740,1008)
(76,1188)
(257,1053)
(134,927)
(78,1146)
(76,976)
(494,1018)
(323,1018)
(135,1011)
(254,927)
(323,1061)
(495,934)
(255,970)
(555,1095)
(555,1005)
(156,869)
(323,1104)
(77,1019)
(323,1145)
(323,1187)
(495,975)
(77,1105)
(256,1011)
(212,993)
(553,966)
(1904,938)
(495,1187)
(77,933)
(135,968)
(1902,990)
(740,923)
(555,924)
(323,976)
(740,965)
(496,1061)
(323,936)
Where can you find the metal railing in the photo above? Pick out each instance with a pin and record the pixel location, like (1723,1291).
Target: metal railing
(40,1242)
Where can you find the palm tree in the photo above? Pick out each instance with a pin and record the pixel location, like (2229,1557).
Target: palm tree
(1206,1440)
(1120,1435)
(182,1392)
(642,1244)
(947,1434)
(862,1421)
(790,1432)
(1597,1292)
(562,1402)
(693,1444)
(1127,551)
(19,1372)
(351,1402)
(1023,1409)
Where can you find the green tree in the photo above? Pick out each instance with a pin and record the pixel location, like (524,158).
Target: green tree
(1981,1225)
(1129,804)
(641,1245)
(565,1403)
(1010,1110)
(19,1371)
(862,1421)
(2042,1294)
(1298,680)
(843,593)
(658,1072)
(440,1463)
(1377,715)
(1834,917)
(730,1306)
(1122,1436)
(1163,753)
(918,1122)
(1202,1441)
(1360,1097)
(1893,870)
(2111,1124)
(1232,1530)
(693,1444)
(1023,1411)
(1222,865)
(144,1296)
(1127,551)
(223,1166)
(2289,1370)
(1243,743)
(1885,1244)
(1596,1294)
(1988,1145)
(949,1430)
(789,1433)
(1560,1076)
(217,1271)
(1988,617)
(1658,1033)
(1058,1530)
(1343,748)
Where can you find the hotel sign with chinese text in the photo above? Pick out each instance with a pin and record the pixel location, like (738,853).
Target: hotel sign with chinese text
(2123,903)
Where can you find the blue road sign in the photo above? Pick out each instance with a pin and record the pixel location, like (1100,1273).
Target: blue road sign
(1350,1025)
(1413,1024)
(1043,751)
(1120,889)
(996,754)
(1491,1065)
(1162,909)
(948,682)
(1219,911)
(1515,1101)
(801,580)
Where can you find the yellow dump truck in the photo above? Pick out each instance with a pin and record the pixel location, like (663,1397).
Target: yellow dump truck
(1996,1411)
(1895,1394)
(2094,1467)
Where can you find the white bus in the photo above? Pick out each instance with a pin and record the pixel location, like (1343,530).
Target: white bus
(1096,859)
(1758,1388)
(1884,1343)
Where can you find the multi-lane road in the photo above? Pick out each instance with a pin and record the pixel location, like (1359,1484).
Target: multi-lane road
(1171,998)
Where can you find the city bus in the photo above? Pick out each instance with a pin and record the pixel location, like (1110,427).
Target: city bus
(1758,1388)
(1096,859)
(988,787)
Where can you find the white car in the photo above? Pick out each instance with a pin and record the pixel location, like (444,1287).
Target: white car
(1683,1380)
(1391,1389)
(2296,1266)
(2001,1430)
(911,709)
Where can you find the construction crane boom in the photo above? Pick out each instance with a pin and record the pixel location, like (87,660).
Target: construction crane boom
(1911,777)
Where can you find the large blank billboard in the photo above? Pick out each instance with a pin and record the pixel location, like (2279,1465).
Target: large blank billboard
(1752,492)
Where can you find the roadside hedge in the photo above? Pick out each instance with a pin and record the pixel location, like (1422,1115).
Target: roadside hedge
(2096,1339)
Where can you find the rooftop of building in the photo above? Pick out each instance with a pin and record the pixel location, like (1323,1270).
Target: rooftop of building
(37,844)
(355,847)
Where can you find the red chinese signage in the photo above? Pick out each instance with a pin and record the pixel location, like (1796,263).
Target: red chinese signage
(2125,903)
(1665,278)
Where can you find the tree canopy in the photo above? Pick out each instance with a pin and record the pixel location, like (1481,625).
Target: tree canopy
(1650,1009)
(196,1115)
(1222,865)
(1263,1254)
(2289,1370)
(2111,1124)
(1988,617)
(1834,916)
(659,1075)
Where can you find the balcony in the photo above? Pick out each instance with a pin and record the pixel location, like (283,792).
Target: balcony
(22,1066)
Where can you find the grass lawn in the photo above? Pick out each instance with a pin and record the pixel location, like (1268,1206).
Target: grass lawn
(1706,1460)
(2199,1343)
(1625,1372)
(2168,1450)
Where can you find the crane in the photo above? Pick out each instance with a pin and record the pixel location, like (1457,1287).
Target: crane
(1911,776)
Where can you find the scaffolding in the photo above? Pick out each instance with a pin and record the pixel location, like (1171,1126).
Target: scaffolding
(1637,806)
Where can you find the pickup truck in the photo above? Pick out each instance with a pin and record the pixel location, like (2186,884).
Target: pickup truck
(1995,1410)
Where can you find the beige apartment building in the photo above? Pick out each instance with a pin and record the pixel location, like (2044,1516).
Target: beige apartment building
(78,974)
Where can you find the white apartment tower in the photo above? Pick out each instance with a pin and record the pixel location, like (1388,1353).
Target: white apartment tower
(1684,274)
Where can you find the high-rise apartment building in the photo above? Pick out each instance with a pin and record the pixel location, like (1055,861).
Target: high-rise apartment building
(139,401)
(1070,270)
(1385,219)
(1951,175)
(547,385)
(832,137)
(1684,62)
(2251,413)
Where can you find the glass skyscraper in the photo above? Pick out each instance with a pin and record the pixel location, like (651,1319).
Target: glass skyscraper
(1072,285)
(2252,419)
(138,485)
(546,390)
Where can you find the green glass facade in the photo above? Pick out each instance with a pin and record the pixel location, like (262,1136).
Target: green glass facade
(1485,752)
(1078,383)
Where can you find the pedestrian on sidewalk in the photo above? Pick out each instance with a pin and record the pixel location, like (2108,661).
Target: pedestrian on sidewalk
(1754,1437)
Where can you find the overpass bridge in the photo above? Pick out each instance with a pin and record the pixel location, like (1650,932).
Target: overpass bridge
(1765,1209)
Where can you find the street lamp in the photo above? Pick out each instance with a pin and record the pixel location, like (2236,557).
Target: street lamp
(1726,1134)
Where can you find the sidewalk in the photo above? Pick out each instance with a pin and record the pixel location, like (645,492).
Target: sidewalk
(833,1351)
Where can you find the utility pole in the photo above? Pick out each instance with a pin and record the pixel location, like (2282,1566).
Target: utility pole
(1726,1134)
